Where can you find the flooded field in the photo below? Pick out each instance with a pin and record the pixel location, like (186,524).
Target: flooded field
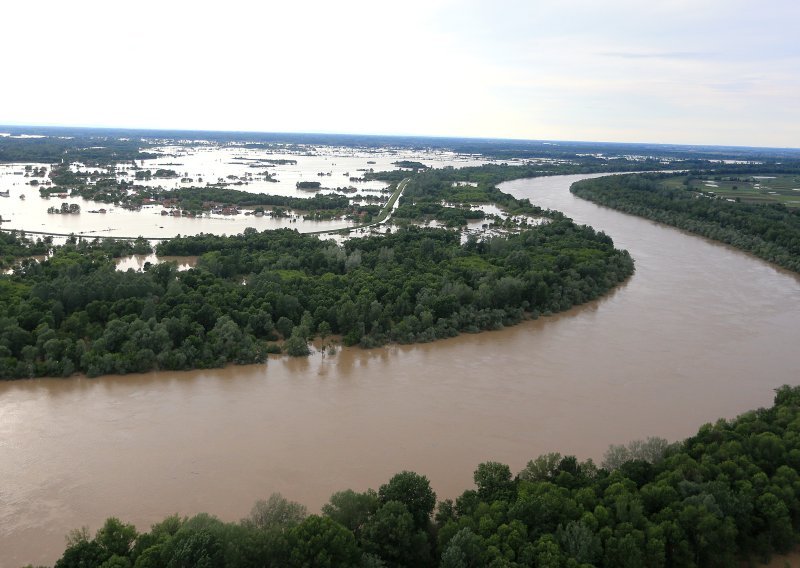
(239,167)
(700,331)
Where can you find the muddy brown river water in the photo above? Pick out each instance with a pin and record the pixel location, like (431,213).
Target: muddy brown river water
(700,331)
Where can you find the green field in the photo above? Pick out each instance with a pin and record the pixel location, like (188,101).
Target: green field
(777,188)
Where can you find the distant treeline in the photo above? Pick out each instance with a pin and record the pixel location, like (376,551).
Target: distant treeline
(192,198)
(771,231)
(74,312)
(490,175)
(90,150)
(410,165)
(729,494)
(497,148)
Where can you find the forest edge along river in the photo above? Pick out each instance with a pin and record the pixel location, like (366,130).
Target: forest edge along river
(700,331)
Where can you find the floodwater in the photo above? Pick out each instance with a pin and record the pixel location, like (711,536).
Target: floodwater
(198,165)
(139,261)
(700,331)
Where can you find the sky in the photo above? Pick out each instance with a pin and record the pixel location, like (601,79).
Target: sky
(721,72)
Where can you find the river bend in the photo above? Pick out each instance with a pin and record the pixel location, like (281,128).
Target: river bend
(700,331)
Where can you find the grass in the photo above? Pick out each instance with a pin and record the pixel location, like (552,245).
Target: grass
(779,188)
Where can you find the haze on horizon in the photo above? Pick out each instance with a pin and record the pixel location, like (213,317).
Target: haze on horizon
(685,72)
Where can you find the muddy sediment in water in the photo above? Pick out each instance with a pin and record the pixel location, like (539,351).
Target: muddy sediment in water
(700,331)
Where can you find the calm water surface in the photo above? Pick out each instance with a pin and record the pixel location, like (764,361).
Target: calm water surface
(700,331)
(210,164)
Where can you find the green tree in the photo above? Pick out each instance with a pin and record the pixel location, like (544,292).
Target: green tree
(392,535)
(494,482)
(465,550)
(414,491)
(296,345)
(351,509)
(320,542)
(578,541)
(543,468)
(82,554)
(116,537)
(276,512)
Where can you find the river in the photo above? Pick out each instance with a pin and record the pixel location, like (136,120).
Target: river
(700,331)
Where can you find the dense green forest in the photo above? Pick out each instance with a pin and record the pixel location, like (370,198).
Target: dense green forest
(771,232)
(18,249)
(450,195)
(14,246)
(75,312)
(492,174)
(729,493)
(258,293)
(99,149)
(198,198)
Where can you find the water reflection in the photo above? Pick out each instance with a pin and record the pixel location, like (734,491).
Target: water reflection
(138,262)
(199,165)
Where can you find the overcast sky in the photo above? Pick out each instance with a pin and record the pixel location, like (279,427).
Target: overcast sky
(673,71)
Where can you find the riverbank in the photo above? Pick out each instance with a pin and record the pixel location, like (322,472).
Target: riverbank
(675,504)
(695,328)
(770,232)
(255,289)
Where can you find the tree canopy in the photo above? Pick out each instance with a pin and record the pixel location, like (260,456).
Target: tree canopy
(253,292)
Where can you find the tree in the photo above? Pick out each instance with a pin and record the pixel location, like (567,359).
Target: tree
(414,491)
(324,330)
(296,345)
(284,326)
(275,512)
(199,542)
(351,509)
(494,482)
(82,554)
(116,537)
(651,450)
(465,550)
(392,535)
(543,468)
(578,541)
(321,542)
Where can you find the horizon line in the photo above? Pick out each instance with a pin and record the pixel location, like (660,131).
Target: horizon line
(375,135)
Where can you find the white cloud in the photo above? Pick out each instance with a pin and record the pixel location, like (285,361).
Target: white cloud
(672,71)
